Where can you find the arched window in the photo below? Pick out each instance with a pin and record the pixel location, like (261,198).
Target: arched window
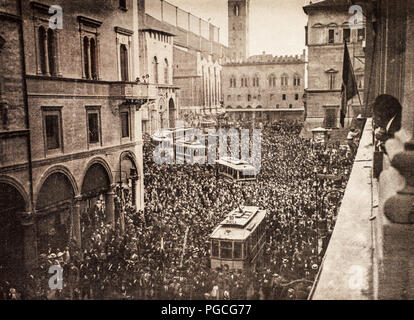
(236,10)
(166,73)
(42,49)
(93,59)
(249,97)
(296,80)
(86,56)
(285,80)
(256,81)
(51,47)
(233,82)
(124,63)
(155,69)
(244,81)
(272,80)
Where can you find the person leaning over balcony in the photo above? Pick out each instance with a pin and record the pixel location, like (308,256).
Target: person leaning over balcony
(352,135)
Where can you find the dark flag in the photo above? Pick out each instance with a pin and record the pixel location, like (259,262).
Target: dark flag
(349,85)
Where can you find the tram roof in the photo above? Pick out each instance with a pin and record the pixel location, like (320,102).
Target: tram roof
(235,164)
(239,224)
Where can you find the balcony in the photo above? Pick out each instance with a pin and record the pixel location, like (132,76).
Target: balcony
(347,270)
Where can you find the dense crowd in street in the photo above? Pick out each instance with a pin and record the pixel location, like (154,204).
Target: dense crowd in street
(147,260)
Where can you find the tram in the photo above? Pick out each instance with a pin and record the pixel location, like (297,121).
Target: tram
(238,241)
(189,152)
(236,170)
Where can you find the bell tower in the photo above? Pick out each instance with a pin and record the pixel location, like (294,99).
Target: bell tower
(238,29)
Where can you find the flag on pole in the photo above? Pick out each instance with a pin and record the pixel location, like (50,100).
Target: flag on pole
(349,85)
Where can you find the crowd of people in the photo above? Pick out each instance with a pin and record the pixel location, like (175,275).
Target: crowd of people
(163,252)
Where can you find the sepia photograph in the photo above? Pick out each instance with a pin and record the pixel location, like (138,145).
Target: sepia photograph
(219,151)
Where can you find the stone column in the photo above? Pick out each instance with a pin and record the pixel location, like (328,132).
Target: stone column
(110,205)
(57,53)
(76,224)
(46,55)
(38,58)
(89,59)
(97,56)
(29,241)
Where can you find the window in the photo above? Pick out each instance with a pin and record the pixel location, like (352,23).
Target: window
(125,124)
(166,73)
(249,97)
(284,80)
(89,33)
(272,80)
(124,63)
(256,81)
(277,106)
(215,248)
(51,47)
(284,96)
(331,36)
(361,34)
(42,50)
(47,51)
(236,10)
(290,106)
(332,77)
(52,128)
(52,132)
(122,4)
(93,59)
(233,82)
(347,35)
(93,125)
(296,96)
(89,58)
(237,253)
(296,80)
(259,97)
(226,249)
(155,69)
(86,56)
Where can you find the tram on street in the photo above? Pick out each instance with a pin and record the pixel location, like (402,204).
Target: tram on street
(238,241)
(189,152)
(236,170)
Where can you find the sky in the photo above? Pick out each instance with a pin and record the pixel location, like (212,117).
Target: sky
(276,26)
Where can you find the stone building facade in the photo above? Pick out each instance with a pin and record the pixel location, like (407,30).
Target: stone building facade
(264,87)
(197,54)
(16,186)
(84,113)
(260,87)
(156,66)
(326,32)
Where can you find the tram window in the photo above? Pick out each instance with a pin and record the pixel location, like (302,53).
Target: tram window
(215,248)
(225,249)
(237,253)
(245,249)
(235,174)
